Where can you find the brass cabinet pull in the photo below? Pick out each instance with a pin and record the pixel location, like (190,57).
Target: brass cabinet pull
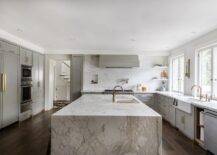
(4,82)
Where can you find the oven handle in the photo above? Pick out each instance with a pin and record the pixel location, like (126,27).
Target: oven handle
(26,85)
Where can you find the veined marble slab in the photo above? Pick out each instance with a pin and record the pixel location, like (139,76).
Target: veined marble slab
(102,105)
(93,125)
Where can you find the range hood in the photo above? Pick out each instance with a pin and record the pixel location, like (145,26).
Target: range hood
(118,61)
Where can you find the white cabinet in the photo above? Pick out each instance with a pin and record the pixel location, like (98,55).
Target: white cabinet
(9,100)
(38,83)
(185,123)
(180,115)
(8,47)
(25,56)
(164,106)
(171,112)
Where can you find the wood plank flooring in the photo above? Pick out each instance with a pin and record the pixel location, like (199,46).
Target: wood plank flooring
(31,137)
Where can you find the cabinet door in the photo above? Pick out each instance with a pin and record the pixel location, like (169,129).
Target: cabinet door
(185,123)
(22,57)
(189,125)
(180,120)
(26,56)
(29,57)
(38,83)
(1,93)
(10,110)
(41,80)
(35,70)
(172,115)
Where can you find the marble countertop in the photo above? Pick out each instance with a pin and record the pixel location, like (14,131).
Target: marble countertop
(212,105)
(102,105)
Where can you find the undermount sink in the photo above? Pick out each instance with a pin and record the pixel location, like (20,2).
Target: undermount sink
(126,99)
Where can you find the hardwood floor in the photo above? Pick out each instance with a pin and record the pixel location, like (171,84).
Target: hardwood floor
(31,137)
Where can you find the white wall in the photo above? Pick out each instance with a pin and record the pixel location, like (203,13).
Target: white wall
(189,51)
(109,77)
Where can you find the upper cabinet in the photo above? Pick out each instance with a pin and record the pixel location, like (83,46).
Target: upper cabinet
(8,47)
(25,56)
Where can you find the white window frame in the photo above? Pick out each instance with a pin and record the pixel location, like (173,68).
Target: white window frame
(171,74)
(198,81)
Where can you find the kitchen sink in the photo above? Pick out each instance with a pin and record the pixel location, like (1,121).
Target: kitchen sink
(126,99)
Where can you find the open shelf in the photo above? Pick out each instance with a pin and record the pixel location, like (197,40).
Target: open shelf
(199,126)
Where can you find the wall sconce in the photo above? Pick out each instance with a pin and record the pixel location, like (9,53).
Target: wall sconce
(187,68)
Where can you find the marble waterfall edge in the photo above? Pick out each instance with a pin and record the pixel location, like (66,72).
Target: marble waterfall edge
(105,134)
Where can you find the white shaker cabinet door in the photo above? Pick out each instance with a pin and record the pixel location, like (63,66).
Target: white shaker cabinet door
(26,57)
(41,80)
(35,70)
(10,106)
(38,83)
(1,93)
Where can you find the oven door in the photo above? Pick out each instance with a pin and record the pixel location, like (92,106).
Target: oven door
(26,94)
(26,72)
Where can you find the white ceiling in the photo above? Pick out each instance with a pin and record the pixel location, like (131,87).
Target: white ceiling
(116,26)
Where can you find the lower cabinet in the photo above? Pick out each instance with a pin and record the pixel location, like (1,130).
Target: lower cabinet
(182,120)
(171,113)
(185,123)
(148,99)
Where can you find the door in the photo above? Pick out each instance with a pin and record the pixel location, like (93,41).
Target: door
(10,106)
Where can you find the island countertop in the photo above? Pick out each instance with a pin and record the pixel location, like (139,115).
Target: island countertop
(102,105)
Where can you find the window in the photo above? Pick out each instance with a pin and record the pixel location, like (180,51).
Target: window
(178,74)
(207,71)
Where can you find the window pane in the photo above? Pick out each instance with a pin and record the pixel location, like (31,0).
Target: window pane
(175,75)
(205,71)
(215,72)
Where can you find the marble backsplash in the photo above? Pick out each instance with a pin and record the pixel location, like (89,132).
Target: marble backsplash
(109,77)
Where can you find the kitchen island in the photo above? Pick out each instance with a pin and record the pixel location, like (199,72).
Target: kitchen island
(94,125)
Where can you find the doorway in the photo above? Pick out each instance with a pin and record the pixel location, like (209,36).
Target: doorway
(61,96)
(57,80)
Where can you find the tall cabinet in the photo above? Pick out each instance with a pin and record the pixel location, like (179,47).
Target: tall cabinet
(38,83)
(9,81)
